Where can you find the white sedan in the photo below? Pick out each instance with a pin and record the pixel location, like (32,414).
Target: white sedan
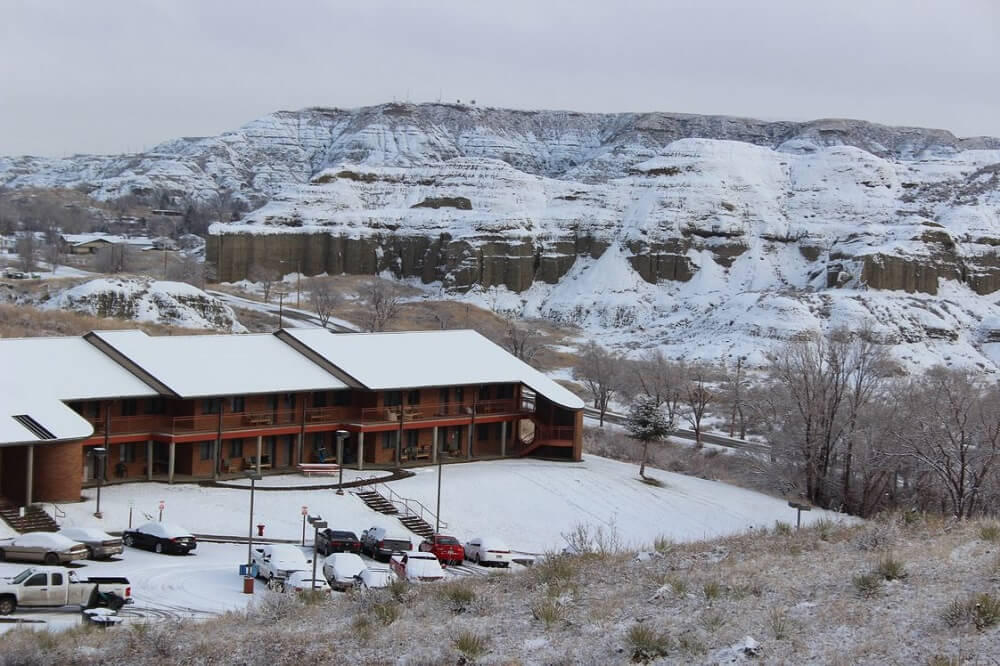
(488,551)
(340,569)
(302,581)
(415,565)
(374,577)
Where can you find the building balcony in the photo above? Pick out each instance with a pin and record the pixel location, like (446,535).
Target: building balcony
(440,411)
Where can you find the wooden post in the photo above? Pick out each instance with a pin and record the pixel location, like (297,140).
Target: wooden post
(149,460)
(171,455)
(30,482)
(217,449)
(361,450)
(503,439)
(434,446)
(260,440)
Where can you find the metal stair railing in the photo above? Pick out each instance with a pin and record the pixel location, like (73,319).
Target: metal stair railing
(405,505)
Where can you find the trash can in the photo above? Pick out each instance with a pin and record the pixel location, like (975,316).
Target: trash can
(248,585)
(260,530)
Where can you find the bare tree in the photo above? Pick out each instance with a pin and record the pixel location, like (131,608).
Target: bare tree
(324,299)
(521,340)
(114,258)
(697,397)
(265,277)
(384,303)
(27,251)
(954,434)
(655,376)
(601,372)
(734,393)
(647,423)
(185,268)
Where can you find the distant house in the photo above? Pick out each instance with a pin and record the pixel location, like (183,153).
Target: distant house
(91,243)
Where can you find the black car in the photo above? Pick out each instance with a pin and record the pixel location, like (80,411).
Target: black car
(337,541)
(161,538)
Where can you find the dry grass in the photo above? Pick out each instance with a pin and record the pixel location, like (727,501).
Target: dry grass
(21,321)
(793,593)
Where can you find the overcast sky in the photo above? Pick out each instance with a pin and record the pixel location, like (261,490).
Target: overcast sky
(103,76)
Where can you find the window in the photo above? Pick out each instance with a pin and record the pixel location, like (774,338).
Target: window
(236,448)
(38,580)
(342,398)
(237,404)
(505,391)
(57,579)
(318,441)
(459,394)
(482,432)
(392,398)
(412,438)
(156,406)
(389,439)
(211,406)
(92,409)
(319,399)
(272,402)
(205,449)
(443,395)
(289,399)
(126,453)
(413,397)
(484,392)
(129,407)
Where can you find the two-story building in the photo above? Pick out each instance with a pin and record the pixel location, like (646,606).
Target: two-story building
(197,407)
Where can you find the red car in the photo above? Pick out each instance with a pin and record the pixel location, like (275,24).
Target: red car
(447,548)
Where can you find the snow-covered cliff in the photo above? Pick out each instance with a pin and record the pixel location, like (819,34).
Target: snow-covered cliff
(694,229)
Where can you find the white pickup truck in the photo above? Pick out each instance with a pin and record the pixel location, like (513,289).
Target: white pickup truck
(38,587)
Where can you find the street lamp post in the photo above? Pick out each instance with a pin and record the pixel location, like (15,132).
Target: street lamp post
(341,436)
(254,478)
(437,512)
(100,453)
(318,524)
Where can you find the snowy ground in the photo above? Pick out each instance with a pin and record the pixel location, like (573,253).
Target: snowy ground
(528,503)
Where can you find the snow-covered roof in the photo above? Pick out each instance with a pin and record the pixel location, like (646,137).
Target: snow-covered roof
(39,374)
(192,366)
(417,359)
(83,239)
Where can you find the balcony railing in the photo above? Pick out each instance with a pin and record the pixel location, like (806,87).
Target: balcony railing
(553,433)
(209,423)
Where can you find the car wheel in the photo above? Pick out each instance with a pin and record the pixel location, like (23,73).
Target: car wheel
(475,558)
(159,547)
(7,605)
(129,540)
(505,565)
(51,558)
(90,553)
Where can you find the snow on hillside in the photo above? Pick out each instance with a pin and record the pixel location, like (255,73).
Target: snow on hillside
(529,503)
(147,300)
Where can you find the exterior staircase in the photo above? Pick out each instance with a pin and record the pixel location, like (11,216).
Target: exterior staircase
(376,502)
(35,519)
(417,525)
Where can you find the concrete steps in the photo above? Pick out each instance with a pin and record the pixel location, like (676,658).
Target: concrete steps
(35,519)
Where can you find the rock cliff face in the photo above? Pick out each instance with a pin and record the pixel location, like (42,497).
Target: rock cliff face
(756,231)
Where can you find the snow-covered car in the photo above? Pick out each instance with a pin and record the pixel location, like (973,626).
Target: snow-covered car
(278,560)
(379,542)
(374,577)
(302,581)
(45,547)
(340,569)
(99,543)
(416,566)
(160,538)
(488,551)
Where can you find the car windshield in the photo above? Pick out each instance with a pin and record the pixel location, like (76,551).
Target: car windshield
(20,578)
(447,541)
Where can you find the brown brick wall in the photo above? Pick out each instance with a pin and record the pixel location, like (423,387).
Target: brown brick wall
(57,472)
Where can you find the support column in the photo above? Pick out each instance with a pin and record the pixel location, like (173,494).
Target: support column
(298,449)
(29,484)
(434,446)
(149,460)
(468,448)
(361,451)
(340,451)
(503,439)
(170,462)
(260,442)
(216,453)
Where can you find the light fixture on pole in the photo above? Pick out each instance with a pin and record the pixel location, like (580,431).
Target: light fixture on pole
(318,524)
(99,453)
(341,436)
